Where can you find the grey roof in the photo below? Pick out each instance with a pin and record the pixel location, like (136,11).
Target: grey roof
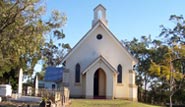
(54,74)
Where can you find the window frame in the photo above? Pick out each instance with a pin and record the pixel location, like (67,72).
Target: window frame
(119,76)
(77,73)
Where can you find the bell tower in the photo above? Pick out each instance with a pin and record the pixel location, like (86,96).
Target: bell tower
(100,14)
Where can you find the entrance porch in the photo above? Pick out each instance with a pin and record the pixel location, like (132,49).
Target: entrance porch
(100,79)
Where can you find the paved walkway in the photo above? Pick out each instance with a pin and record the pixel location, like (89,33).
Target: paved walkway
(28,99)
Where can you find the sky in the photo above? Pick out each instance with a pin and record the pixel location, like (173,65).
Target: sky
(126,18)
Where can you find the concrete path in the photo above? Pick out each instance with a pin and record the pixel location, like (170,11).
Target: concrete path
(27,99)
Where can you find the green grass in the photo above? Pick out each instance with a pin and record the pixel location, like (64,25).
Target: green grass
(107,103)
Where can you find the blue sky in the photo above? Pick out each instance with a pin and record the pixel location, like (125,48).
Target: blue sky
(126,18)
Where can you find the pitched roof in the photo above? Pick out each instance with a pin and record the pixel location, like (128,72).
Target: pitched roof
(119,43)
(53,74)
(80,41)
(100,58)
(100,5)
(99,23)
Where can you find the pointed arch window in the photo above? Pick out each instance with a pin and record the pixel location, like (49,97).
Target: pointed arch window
(77,73)
(119,78)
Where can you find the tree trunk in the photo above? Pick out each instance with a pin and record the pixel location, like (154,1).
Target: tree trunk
(171,82)
(145,92)
(171,101)
(139,93)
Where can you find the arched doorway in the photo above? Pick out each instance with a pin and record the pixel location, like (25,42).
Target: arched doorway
(99,84)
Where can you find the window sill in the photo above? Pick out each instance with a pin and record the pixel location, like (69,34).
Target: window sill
(77,84)
(120,84)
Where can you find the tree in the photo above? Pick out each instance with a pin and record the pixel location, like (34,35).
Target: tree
(169,67)
(169,60)
(161,62)
(23,32)
(140,50)
(52,52)
(40,75)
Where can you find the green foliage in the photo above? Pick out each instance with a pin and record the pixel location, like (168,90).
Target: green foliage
(10,77)
(162,61)
(177,33)
(53,53)
(40,75)
(23,33)
(154,69)
(170,59)
(19,34)
(140,49)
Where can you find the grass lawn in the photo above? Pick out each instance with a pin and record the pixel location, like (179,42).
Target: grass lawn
(106,103)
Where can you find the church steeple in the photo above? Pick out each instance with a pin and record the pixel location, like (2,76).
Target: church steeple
(100,14)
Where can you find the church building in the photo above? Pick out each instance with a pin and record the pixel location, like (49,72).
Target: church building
(99,66)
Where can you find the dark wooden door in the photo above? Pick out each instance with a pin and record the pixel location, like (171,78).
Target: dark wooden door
(96,83)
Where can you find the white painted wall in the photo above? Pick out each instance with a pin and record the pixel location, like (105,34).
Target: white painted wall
(89,50)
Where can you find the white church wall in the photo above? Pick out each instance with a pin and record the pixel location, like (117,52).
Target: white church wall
(92,48)
(133,94)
